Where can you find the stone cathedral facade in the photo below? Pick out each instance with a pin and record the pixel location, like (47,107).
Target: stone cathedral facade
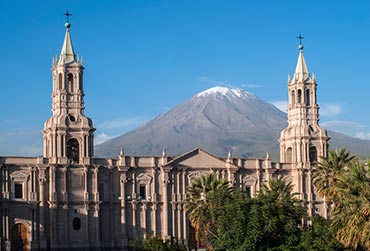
(68,199)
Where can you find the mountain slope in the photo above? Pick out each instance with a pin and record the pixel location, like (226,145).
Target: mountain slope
(217,120)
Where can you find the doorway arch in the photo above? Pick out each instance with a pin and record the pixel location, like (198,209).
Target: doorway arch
(19,238)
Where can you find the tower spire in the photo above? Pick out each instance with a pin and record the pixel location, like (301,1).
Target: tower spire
(303,140)
(67,54)
(301,71)
(68,133)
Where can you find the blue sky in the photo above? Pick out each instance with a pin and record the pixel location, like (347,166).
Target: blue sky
(144,57)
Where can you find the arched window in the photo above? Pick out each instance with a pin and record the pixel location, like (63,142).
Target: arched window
(299,96)
(73,150)
(313,154)
(80,82)
(307,98)
(293,97)
(60,81)
(70,83)
(76,223)
(289,155)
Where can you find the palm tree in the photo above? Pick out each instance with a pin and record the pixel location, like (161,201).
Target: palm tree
(328,169)
(278,190)
(352,207)
(198,203)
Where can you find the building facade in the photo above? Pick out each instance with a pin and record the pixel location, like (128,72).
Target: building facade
(68,199)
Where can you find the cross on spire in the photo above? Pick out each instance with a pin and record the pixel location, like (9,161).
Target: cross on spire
(300,39)
(67,14)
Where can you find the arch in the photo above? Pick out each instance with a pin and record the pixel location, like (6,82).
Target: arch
(60,81)
(293,97)
(73,150)
(80,82)
(313,154)
(307,97)
(299,97)
(19,237)
(76,223)
(289,155)
(70,83)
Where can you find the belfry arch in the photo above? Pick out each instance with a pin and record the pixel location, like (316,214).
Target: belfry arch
(73,150)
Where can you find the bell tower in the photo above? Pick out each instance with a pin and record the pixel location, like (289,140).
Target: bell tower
(68,133)
(303,141)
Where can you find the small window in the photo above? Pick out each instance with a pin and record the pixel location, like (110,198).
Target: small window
(76,223)
(248,190)
(18,191)
(142,192)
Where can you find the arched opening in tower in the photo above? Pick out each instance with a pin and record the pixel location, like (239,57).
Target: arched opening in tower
(313,154)
(70,83)
(73,150)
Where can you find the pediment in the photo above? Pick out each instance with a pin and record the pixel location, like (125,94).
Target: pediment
(199,158)
(19,175)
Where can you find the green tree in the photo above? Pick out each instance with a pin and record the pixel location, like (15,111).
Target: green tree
(154,243)
(328,169)
(318,237)
(198,204)
(351,212)
(230,217)
(272,221)
(278,214)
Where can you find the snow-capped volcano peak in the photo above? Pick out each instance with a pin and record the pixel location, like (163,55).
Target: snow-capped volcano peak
(224,91)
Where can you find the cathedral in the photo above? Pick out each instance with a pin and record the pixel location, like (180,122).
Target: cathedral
(68,199)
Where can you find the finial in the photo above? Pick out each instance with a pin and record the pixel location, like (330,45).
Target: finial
(267,155)
(229,155)
(121,153)
(67,14)
(300,46)
(164,153)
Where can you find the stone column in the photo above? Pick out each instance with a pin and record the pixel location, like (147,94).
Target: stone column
(165,234)
(97,221)
(42,180)
(133,205)
(144,210)
(66,217)
(185,233)
(154,218)
(173,206)
(123,202)
(184,217)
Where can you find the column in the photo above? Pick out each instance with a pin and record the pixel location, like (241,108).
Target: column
(184,217)
(144,210)
(133,205)
(173,206)
(123,202)
(42,180)
(97,221)
(165,206)
(154,218)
